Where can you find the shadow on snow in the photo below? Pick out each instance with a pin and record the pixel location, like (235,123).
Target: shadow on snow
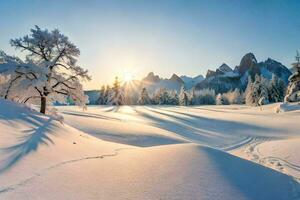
(31,138)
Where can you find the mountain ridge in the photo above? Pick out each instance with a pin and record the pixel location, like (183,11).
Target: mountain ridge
(223,79)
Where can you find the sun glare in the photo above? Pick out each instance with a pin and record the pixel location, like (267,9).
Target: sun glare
(127,76)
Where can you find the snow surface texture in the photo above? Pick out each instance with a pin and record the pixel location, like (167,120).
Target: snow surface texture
(151,152)
(286,107)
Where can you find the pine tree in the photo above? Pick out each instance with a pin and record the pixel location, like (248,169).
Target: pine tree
(192,98)
(106,95)
(257,92)
(116,95)
(173,98)
(293,90)
(101,100)
(250,97)
(276,89)
(282,89)
(161,97)
(183,97)
(164,97)
(144,98)
(263,86)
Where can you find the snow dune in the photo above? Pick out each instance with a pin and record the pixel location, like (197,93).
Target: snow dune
(166,172)
(217,126)
(235,129)
(141,153)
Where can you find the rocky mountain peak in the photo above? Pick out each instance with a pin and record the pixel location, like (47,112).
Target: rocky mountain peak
(151,77)
(223,69)
(176,78)
(248,61)
(199,78)
(210,73)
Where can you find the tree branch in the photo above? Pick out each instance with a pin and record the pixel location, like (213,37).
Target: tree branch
(57,58)
(41,94)
(18,44)
(27,99)
(71,77)
(64,93)
(10,85)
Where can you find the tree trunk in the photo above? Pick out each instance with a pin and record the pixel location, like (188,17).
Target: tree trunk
(43,105)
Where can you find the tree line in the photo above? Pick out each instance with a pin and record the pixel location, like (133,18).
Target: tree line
(259,91)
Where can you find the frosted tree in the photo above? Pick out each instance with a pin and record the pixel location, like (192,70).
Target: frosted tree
(116,95)
(161,96)
(293,90)
(50,73)
(183,97)
(276,89)
(250,97)
(263,91)
(257,92)
(282,87)
(205,97)
(144,97)
(173,98)
(102,99)
(192,97)
(108,91)
(233,97)
(220,99)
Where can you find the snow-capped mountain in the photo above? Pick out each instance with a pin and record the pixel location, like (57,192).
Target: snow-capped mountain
(270,66)
(151,78)
(177,79)
(153,82)
(190,82)
(225,79)
(248,62)
(224,68)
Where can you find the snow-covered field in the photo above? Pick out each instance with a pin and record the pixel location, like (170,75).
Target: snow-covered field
(151,152)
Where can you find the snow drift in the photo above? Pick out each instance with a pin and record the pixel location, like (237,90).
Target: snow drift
(43,159)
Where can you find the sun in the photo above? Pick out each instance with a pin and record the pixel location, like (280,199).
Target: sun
(127,76)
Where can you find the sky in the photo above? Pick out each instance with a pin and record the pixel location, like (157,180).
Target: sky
(135,37)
